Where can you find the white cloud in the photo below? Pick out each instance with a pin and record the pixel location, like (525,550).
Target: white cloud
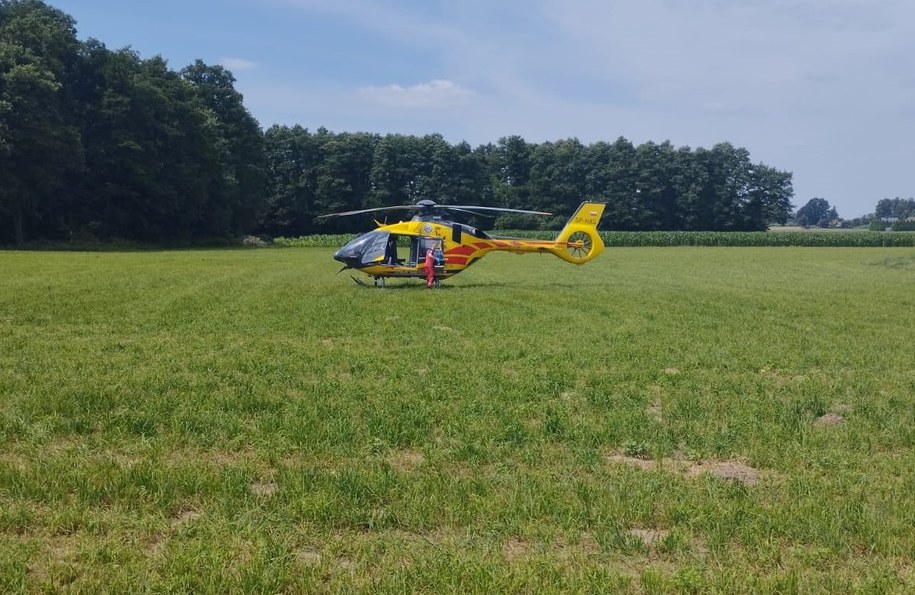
(436,93)
(236,64)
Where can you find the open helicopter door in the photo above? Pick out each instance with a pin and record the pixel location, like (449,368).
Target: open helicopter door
(418,248)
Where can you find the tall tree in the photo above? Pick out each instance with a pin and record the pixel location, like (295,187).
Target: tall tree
(238,197)
(115,188)
(726,192)
(817,211)
(397,171)
(510,163)
(768,198)
(557,176)
(292,157)
(39,144)
(899,208)
(469,183)
(620,171)
(343,175)
(689,181)
(656,166)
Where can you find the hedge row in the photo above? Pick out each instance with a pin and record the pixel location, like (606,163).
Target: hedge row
(681,238)
(313,241)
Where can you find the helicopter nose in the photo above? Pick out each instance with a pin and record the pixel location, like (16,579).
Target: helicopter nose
(347,256)
(362,250)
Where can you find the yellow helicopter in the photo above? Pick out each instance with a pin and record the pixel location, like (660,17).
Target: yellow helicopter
(382,253)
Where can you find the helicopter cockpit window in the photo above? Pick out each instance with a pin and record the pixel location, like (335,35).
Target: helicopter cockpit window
(367,248)
(377,249)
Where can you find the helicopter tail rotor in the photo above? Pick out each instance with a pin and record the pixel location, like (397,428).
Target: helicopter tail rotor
(579,240)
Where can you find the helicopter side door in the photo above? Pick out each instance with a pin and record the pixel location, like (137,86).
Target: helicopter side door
(419,246)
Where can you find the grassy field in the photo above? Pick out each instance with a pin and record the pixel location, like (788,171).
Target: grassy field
(660,420)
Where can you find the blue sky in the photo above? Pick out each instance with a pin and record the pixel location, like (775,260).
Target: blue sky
(822,88)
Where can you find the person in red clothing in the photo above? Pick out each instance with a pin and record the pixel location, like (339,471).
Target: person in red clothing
(430,268)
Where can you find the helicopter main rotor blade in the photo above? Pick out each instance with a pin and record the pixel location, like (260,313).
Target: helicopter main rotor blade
(498,209)
(360,211)
(427,206)
(449,208)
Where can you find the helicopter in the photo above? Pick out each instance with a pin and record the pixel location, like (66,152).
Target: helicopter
(382,253)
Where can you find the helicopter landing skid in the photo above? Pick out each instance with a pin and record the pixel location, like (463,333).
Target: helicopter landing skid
(362,283)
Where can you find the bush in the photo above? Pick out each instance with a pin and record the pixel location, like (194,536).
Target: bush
(877,225)
(904,226)
(313,241)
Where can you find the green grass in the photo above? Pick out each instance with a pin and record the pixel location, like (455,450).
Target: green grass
(246,420)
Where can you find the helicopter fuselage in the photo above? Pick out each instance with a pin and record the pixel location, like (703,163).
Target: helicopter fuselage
(398,249)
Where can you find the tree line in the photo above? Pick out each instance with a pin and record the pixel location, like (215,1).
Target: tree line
(103,144)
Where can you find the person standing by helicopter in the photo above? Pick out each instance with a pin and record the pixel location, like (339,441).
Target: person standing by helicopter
(429,265)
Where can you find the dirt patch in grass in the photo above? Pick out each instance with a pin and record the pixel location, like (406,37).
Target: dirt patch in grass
(405,461)
(511,372)
(829,419)
(155,546)
(588,544)
(654,411)
(516,548)
(779,377)
(667,464)
(567,551)
(308,556)
(650,537)
(16,460)
(726,470)
(57,549)
(184,516)
(263,488)
(215,458)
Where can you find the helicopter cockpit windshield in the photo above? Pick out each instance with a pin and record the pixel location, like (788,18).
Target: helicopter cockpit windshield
(368,248)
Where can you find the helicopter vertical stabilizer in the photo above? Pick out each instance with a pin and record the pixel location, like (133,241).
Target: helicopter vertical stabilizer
(579,239)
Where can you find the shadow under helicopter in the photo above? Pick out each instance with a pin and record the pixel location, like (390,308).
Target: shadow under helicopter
(419,285)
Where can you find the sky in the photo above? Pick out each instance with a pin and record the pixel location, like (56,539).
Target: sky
(824,89)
